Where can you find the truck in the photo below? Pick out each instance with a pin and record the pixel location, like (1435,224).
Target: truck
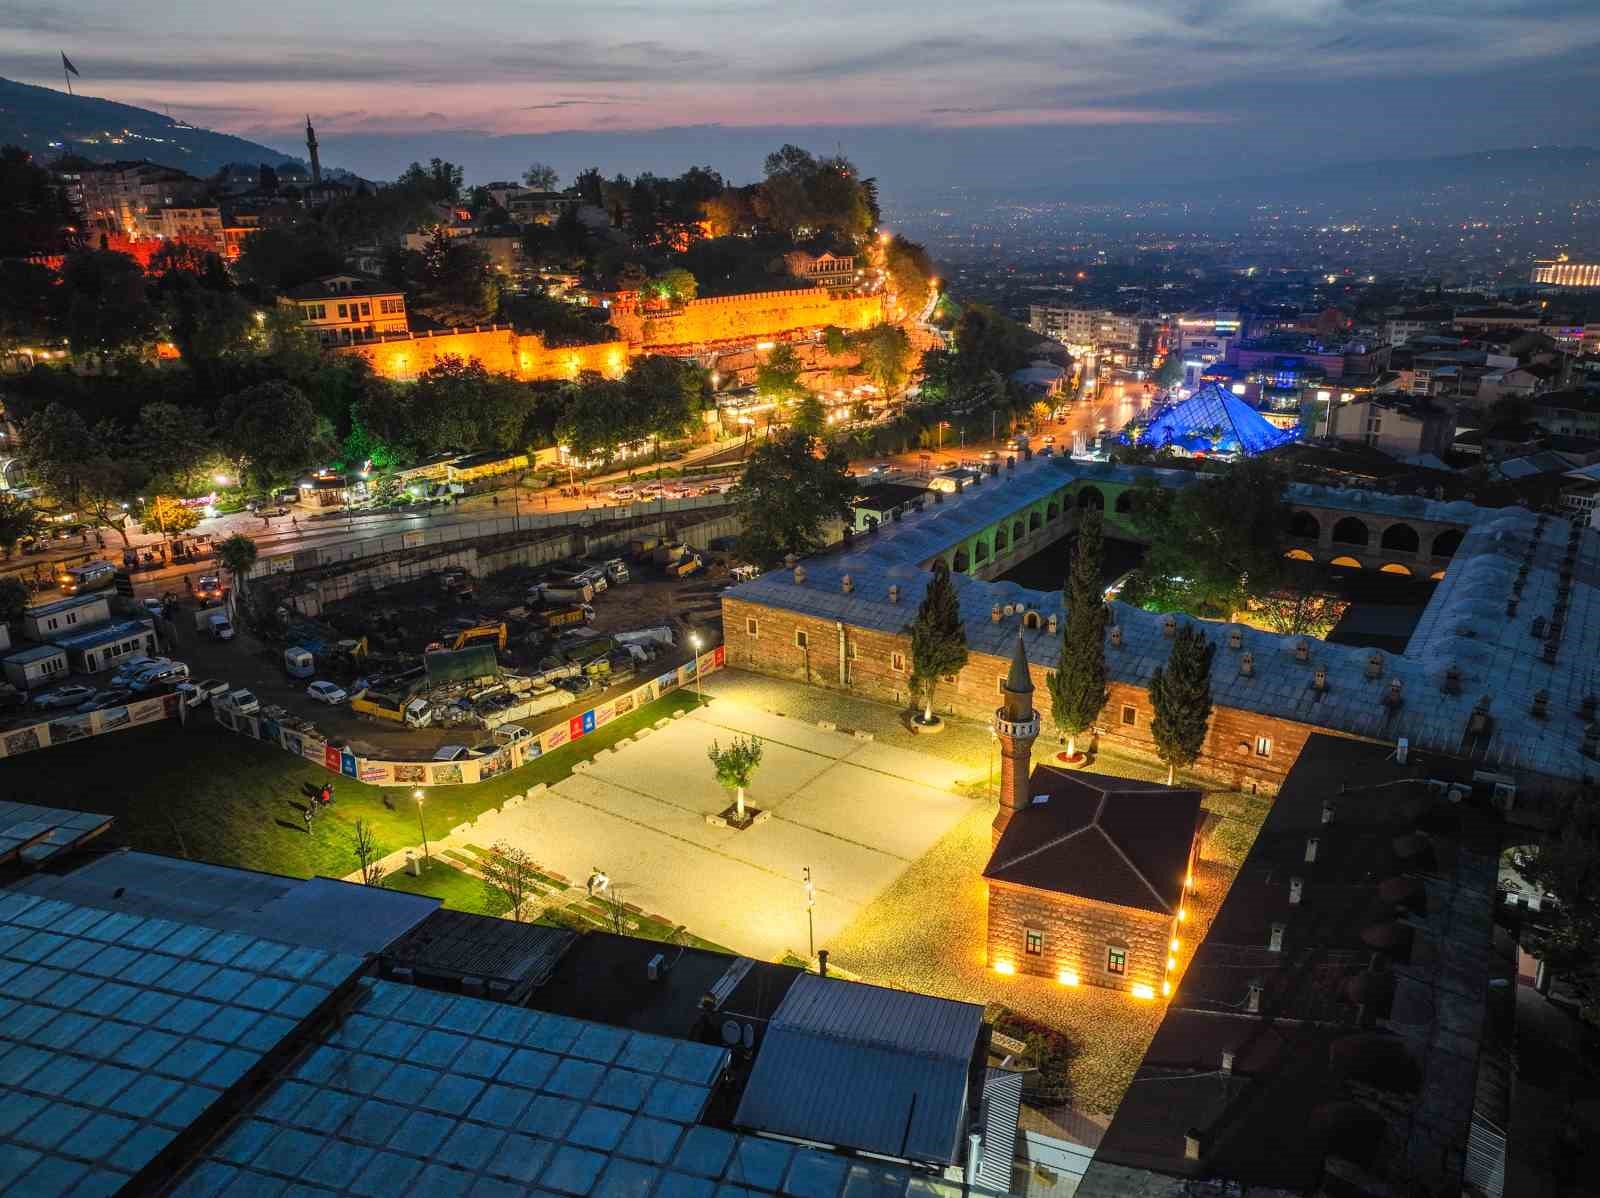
(562,590)
(660,635)
(396,708)
(572,616)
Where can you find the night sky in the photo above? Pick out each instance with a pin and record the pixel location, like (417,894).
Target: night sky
(1019,92)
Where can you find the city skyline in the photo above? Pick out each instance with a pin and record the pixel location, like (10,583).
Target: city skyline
(1084,85)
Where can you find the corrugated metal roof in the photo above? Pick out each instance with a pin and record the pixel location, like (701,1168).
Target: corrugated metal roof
(867,1068)
(997,1119)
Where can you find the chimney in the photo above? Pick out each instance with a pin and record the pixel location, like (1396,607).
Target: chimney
(1194,1145)
(1319,679)
(1252,999)
(1275,939)
(1393,695)
(994,614)
(1311,846)
(1328,806)
(822,962)
(1053,626)
(1227,1060)
(1375,664)
(1302,650)
(799,576)
(894,592)
(1116,635)
(1235,638)
(1296,889)
(846,584)
(1169,626)
(1247,664)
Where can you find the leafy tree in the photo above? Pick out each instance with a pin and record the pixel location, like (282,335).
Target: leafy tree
(170,517)
(1180,697)
(105,304)
(271,428)
(18,519)
(237,554)
(986,339)
(453,280)
(370,857)
(556,321)
(462,405)
(778,378)
(34,213)
(885,355)
(387,489)
(26,300)
(284,256)
(174,443)
(1297,612)
(938,638)
(509,875)
(541,177)
(791,488)
(81,469)
(910,271)
(1170,373)
(735,766)
(665,395)
(440,180)
(596,419)
(14,598)
(1078,688)
(676,286)
(1566,935)
(589,184)
(809,417)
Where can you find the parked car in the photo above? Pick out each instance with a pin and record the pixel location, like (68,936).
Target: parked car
(131,667)
(623,493)
(452,753)
(220,627)
(170,674)
(152,605)
(327,692)
(510,734)
(243,702)
(114,696)
(63,696)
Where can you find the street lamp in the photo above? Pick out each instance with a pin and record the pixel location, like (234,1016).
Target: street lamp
(417,794)
(811,920)
(694,643)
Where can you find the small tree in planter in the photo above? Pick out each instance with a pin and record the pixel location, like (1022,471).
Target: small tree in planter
(938,640)
(735,765)
(1078,688)
(1180,695)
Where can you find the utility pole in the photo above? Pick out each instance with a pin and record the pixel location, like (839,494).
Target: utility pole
(811,920)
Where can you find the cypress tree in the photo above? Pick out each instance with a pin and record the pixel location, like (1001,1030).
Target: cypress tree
(938,640)
(1078,688)
(1180,694)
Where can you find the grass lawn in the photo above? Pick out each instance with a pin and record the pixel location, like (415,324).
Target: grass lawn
(207,794)
(456,887)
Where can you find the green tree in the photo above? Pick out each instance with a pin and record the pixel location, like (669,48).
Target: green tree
(509,876)
(14,598)
(735,766)
(1078,688)
(665,394)
(677,286)
(81,469)
(170,517)
(271,429)
(440,180)
(237,555)
(18,519)
(453,280)
(1566,933)
(885,355)
(791,488)
(1180,698)
(458,404)
(778,378)
(809,417)
(105,303)
(910,271)
(597,420)
(34,212)
(541,177)
(174,443)
(938,638)
(1170,373)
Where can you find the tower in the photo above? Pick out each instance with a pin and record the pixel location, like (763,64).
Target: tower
(1016,726)
(311,147)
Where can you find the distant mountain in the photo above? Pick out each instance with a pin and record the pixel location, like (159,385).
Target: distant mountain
(48,123)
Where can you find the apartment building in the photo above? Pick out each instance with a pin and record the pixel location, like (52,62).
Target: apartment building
(349,309)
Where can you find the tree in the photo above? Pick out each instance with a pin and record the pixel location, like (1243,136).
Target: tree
(508,873)
(541,177)
(271,427)
(1170,373)
(676,286)
(105,303)
(938,638)
(778,378)
(885,355)
(18,519)
(666,394)
(81,469)
(596,419)
(365,843)
(440,180)
(809,417)
(910,272)
(735,766)
(791,488)
(1180,697)
(170,516)
(1566,866)
(1078,688)
(458,404)
(174,442)
(1297,612)
(237,554)
(14,598)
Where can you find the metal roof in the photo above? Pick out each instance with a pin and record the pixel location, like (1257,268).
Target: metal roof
(35,834)
(36,653)
(997,1120)
(102,634)
(864,1067)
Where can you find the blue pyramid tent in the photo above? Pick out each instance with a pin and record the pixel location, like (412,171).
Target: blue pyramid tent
(1212,420)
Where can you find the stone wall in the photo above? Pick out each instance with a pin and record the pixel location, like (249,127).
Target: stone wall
(500,349)
(732,318)
(1076,933)
(876,666)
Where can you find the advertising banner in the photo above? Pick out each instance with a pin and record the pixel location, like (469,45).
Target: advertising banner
(330,757)
(575,727)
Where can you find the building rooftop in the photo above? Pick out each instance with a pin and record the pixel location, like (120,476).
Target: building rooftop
(1113,840)
(101,634)
(502,957)
(34,653)
(70,603)
(341,285)
(863,1067)
(1212,420)
(33,834)
(881,497)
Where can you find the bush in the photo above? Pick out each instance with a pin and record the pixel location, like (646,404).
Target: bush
(1049,1052)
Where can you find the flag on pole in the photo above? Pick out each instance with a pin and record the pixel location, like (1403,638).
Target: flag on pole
(66,65)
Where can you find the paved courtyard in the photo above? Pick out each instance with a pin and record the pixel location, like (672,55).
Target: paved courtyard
(857,812)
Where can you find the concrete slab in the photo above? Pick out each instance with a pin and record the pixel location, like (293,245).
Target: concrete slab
(746,721)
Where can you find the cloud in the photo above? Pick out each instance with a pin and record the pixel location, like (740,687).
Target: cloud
(579,102)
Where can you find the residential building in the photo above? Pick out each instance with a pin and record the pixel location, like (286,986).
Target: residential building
(1399,425)
(823,270)
(1072,327)
(1402,327)
(529,207)
(883,502)
(1492,319)
(201,226)
(103,645)
(114,196)
(1574,412)
(348,309)
(1559,272)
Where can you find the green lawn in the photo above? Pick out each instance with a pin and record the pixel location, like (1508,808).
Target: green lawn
(456,887)
(210,795)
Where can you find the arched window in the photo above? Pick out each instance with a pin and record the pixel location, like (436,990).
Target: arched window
(1401,538)
(1299,555)
(1305,526)
(1017,532)
(1000,541)
(1347,562)
(1035,521)
(962,564)
(1125,502)
(1351,531)
(980,553)
(1446,543)
(1052,510)
(1090,497)
(1394,568)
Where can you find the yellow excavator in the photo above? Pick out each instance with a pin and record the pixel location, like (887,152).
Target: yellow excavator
(473,636)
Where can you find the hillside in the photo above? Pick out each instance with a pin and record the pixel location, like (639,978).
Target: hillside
(48,122)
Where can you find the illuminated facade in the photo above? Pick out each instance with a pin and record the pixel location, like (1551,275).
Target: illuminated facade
(1558,272)
(114,197)
(348,309)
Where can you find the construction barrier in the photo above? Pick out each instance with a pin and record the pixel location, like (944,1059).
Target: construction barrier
(64,729)
(472,769)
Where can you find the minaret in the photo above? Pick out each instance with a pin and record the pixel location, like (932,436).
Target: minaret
(311,147)
(1016,725)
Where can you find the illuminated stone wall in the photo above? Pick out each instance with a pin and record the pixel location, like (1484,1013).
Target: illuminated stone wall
(502,350)
(764,314)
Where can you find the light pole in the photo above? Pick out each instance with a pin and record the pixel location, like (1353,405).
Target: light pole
(811,920)
(694,643)
(426,858)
